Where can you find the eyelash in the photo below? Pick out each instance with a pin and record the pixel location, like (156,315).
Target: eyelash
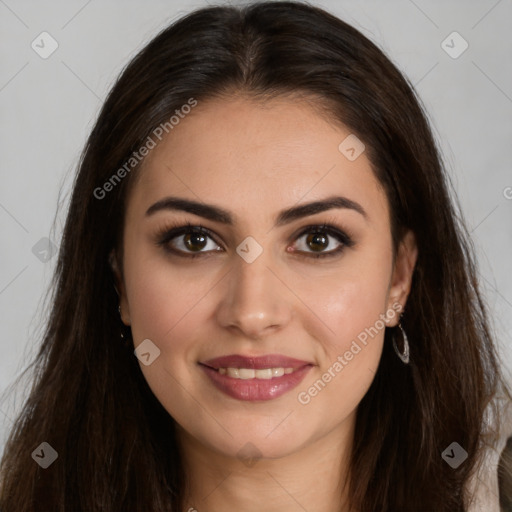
(174,230)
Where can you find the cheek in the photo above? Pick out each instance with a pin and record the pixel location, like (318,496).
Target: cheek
(352,300)
(351,332)
(166,310)
(162,295)
(355,312)
(166,307)
(351,349)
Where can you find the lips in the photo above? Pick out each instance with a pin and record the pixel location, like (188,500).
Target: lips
(262,387)
(255,362)
(255,389)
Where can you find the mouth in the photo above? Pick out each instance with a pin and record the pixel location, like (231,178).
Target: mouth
(255,378)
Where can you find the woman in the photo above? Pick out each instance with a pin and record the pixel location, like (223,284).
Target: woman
(200,355)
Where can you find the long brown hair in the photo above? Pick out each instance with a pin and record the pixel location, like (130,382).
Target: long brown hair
(90,402)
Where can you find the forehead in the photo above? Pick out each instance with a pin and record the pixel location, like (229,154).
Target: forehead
(255,157)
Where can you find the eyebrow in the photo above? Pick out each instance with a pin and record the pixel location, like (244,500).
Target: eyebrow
(217,214)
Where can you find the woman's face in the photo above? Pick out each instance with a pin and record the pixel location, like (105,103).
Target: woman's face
(255,287)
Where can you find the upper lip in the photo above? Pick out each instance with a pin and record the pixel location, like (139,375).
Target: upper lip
(255,362)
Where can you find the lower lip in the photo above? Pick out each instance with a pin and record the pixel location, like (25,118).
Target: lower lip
(256,389)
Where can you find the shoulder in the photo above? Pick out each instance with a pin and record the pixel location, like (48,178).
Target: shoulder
(483,486)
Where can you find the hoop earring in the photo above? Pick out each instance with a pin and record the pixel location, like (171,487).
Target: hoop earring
(404,356)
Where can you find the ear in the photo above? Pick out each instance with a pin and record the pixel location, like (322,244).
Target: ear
(120,287)
(401,280)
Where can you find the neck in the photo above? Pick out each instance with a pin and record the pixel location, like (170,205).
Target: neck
(312,478)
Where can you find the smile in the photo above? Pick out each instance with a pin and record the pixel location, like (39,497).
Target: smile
(249,384)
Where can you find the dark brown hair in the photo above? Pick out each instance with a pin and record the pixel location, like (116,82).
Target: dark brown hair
(115,442)
(505,477)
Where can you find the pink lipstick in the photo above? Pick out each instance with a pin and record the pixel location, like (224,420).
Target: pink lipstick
(254,378)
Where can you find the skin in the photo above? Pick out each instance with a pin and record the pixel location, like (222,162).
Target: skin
(254,161)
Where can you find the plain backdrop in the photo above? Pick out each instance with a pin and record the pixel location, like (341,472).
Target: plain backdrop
(48,106)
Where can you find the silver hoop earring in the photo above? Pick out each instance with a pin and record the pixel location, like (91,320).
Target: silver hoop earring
(404,356)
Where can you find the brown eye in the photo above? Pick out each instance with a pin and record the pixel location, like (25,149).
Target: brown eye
(319,238)
(317,241)
(195,241)
(188,241)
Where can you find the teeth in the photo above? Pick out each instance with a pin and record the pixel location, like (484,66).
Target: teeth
(249,373)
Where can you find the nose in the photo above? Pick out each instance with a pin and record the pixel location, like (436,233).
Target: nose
(256,300)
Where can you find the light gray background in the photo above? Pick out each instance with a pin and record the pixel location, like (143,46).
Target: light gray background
(48,107)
